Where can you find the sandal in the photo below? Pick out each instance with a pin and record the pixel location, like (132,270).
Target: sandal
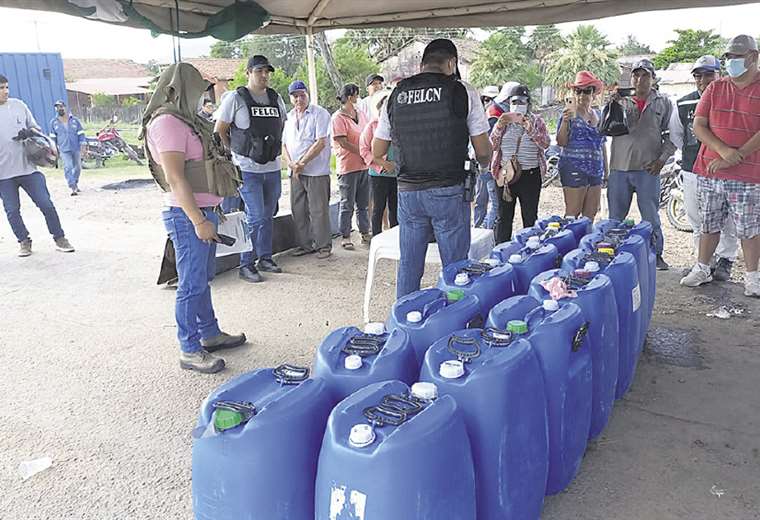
(324,253)
(300,251)
(347,244)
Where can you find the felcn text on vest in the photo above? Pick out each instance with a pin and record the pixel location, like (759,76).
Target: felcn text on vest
(420,95)
(265,112)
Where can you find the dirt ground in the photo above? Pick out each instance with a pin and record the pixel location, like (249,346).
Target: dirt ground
(91,376)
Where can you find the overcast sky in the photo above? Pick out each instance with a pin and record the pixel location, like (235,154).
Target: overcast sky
(32,31)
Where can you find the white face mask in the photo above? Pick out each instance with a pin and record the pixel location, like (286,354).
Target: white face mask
(736,67)
(519,109)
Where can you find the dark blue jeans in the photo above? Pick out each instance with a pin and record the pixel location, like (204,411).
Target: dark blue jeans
(439,212)
(260,193)
(486,201)
(620,189)
(196,266)
(35,186)
(72,167)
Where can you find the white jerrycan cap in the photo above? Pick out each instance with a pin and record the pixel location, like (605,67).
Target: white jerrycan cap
(491,261)
(425,390)
(591,267)
(361,435)
(533,242)
(461,279)
(515,259)
(414,317)
(353,362)
(569,217)
(551,305)
(376,328)
(451,369)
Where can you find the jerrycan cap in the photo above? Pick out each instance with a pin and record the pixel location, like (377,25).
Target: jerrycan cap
(551,305)
(461,279)
(629,222)
(361,435)
(376,328)
(414,317)
(569,217)
(491,261)
(515,259)
(517,327)
(591,267)
(227,419)
(454,295)
(533,242)
(554,225)
(425,390)
(451,369)
(353,362)
(607,251)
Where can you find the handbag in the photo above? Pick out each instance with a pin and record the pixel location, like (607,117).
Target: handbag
(510,173)
(614,120)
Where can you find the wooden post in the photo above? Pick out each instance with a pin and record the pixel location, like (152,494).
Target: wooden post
(312,66)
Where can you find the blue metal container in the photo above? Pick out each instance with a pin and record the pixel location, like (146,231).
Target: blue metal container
(430,314)
(623,272)
(490,282)
(349,359)
(256,446)
(595,296)
(562,346)
(580,226)
(391,455)
(526,261)
(501,394)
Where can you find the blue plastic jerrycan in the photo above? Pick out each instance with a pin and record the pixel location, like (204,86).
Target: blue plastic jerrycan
(526,261)
(429,314)
(559,338)
(623,273)
(489,281)
(256,446)
(580,226)
(563,239)
(349,359)
(595,296)
(393,453)
(496,380)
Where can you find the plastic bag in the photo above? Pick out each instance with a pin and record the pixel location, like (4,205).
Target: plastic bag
(614,120)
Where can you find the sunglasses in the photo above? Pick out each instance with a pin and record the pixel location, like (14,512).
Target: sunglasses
(588,91)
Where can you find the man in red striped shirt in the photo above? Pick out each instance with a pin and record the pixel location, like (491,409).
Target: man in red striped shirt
(727,123)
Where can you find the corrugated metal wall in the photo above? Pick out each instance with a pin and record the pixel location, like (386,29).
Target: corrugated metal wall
(37,79)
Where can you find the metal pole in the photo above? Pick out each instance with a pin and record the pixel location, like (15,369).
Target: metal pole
(312,66)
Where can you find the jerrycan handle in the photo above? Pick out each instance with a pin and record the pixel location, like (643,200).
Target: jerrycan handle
(365,345)
(408,404)
(286,374)
(600,258)
(496,337)
(380,416)
(465,356)
(434,306)
(575,282)
(580,335)
(477,268)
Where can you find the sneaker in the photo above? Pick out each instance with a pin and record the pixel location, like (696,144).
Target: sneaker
(752,288)
(346,243)
(62,244)
(222,341)
(662,265)
(323,253)
(268,266)
(696,277)
(722,272)
(201,361)
(366,238)
(74,192)
(250,274)
(25,247)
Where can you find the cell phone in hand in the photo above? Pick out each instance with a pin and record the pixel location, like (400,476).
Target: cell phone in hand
(226,240)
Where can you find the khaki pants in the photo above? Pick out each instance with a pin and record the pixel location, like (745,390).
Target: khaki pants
(310,206)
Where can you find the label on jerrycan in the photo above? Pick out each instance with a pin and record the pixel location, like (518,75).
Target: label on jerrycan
(350,507)
(636,297)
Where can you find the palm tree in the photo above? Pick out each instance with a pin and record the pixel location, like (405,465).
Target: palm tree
(587,49)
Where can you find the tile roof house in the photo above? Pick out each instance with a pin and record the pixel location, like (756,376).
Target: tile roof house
(117,78)
(218,71)
(407,61)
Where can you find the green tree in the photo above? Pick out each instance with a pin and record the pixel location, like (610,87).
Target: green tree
(99,99)
(633,47)
(386,42)
(504,57)
(587,49)
(688,46)
(279,81)
(284,51)
(544,40)
(222,49)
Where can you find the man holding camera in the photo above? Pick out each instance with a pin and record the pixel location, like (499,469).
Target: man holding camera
(638,157)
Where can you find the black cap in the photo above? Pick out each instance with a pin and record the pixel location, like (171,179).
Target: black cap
(59,102)
(373,77)
(443,45)
(258,61)
(644,64)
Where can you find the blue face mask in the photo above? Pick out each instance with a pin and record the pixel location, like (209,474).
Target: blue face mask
(735,67)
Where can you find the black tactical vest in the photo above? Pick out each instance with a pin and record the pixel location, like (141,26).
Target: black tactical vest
(428,116)
(687,105)
(262,140)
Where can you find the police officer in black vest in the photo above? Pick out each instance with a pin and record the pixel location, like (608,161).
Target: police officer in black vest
(705,70)
(431,118)
(250,123)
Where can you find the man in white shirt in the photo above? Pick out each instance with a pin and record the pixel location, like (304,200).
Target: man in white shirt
(374,83)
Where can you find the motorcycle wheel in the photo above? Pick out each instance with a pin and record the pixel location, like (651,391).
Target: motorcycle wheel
(676,211)
(132,154)
(552,178)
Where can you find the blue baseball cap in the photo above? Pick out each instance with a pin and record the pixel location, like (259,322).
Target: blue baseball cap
(296,86)
(707,62)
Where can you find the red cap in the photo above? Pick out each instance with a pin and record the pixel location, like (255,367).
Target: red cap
(586,79)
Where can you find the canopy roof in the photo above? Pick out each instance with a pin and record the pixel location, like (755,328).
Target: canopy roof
(231,19)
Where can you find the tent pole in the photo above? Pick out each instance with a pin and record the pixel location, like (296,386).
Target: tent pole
(312,66)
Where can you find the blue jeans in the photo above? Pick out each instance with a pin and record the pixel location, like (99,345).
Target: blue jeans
(196,266)
(72,168)
(260,193)
(231,204)
(35,186)
(486,201)
(439,212)
(620,189)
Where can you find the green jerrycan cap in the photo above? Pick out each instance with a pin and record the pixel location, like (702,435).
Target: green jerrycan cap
(227,419)
(454,295)
(517,327)
(629,222)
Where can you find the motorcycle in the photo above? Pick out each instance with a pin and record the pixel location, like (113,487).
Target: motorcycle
(97,153)
(552,166)
(110,137)
(671,195)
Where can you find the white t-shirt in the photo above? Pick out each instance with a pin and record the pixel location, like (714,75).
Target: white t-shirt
(234,110)
(477,122)
(14,116)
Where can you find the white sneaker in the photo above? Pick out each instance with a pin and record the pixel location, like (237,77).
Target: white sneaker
(752,288)
(696,277)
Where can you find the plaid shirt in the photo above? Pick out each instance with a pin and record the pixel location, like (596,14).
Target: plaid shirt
(539,135)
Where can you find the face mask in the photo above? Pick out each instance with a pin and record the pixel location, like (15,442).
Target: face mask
(519,109)
(61,111)
(735,67)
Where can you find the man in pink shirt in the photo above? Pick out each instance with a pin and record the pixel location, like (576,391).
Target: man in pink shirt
(727,123)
